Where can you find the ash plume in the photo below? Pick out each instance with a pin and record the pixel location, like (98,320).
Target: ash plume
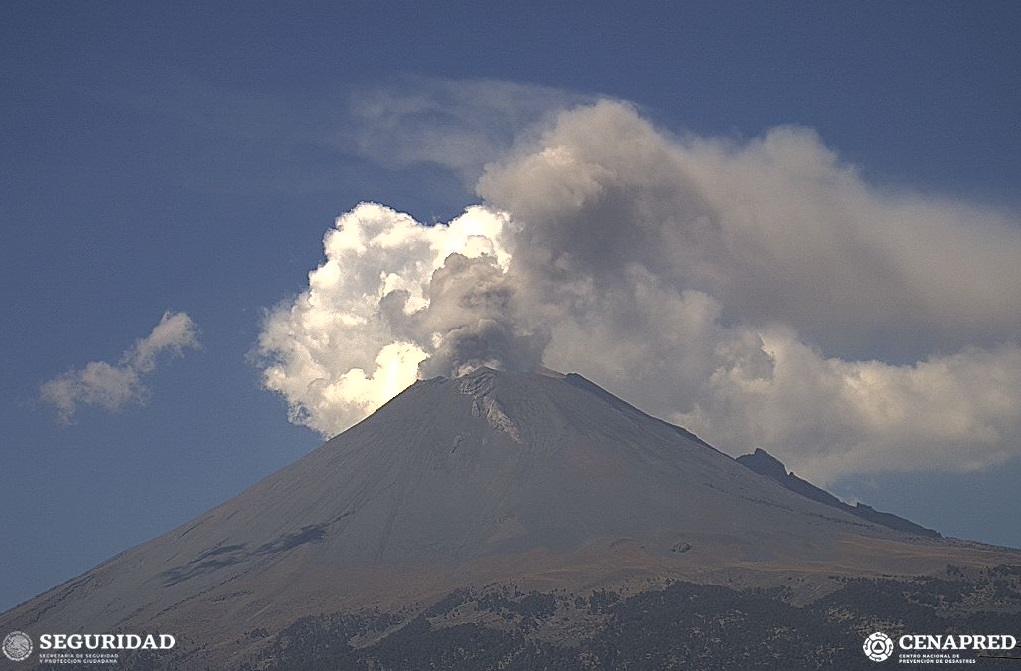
(757,292)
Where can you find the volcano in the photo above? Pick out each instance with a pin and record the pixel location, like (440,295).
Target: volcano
(541,481)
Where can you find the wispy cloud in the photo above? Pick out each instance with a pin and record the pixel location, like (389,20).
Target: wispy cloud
(113,386)
(456,124)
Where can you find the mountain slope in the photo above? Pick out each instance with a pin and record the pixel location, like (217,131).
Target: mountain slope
(539,480)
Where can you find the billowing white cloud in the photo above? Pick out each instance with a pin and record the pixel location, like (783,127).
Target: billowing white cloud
(113,386)
(393,296)
(760,293)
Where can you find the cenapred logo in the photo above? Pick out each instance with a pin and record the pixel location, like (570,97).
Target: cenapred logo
(17,646)
(878,647)
(935,648)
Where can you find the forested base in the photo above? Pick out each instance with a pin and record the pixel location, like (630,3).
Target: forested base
(683,626)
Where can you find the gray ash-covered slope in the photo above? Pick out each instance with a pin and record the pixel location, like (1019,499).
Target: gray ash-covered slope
(534,479)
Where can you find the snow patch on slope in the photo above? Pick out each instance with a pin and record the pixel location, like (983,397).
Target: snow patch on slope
(479,386)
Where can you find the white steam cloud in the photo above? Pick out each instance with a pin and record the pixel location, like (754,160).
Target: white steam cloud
(113,386)
(759,293)
(395,297)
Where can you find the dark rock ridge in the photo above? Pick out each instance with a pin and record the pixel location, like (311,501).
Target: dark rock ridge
(766,464)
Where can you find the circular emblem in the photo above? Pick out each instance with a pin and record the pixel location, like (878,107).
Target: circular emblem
(878,647)
(17,646)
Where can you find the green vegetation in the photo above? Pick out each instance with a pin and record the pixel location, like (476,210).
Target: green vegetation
(683,626)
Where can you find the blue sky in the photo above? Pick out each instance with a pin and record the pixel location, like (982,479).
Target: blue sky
(189,158)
